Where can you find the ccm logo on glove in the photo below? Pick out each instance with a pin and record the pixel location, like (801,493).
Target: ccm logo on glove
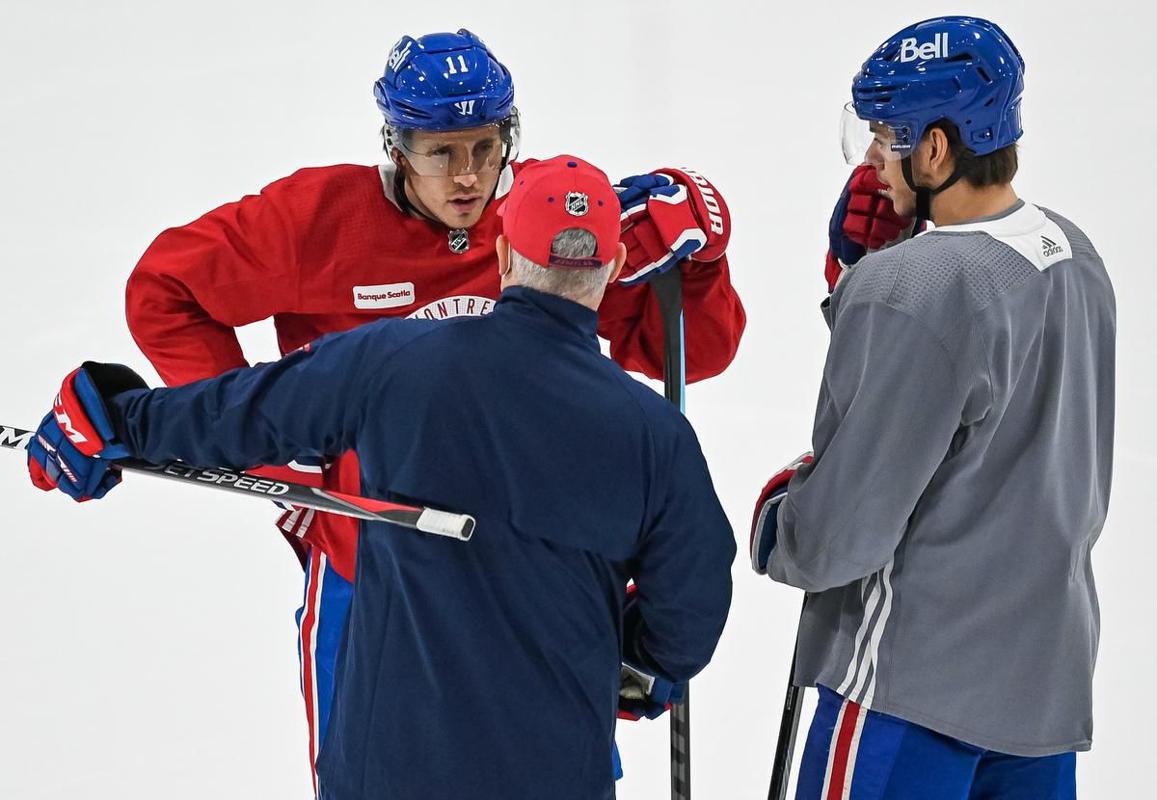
(62,419)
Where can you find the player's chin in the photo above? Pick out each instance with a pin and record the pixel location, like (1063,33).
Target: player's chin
(462,215)
(904,205)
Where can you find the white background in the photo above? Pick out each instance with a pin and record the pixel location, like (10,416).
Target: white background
(148,643)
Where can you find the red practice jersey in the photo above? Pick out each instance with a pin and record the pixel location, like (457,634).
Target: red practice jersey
(327,249)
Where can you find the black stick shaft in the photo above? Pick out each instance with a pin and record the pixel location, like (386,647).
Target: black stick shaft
(788,726)
(668,289)
(420,518)
(785,745)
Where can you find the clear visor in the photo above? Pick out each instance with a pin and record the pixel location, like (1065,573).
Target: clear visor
(469,151)
(870,142)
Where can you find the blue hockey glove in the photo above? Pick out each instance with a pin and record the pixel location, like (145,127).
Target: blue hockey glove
(765,521)
(75,446)
(642,692)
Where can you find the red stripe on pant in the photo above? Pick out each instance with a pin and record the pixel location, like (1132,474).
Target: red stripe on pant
(308,645)
(843,751)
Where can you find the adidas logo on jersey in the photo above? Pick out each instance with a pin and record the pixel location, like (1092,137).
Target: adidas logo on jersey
(1049,247)
(910,50)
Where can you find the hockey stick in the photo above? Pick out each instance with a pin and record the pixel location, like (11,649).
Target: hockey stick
(419,518)
(669,292)
(788,726)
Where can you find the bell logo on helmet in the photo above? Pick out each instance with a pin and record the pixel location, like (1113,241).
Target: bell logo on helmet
(577,204)
(911,51)
(399,54)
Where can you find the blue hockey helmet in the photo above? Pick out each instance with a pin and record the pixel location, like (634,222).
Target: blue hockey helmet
(445,82)
(964,70)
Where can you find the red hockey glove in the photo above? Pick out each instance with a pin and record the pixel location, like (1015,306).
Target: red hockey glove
(668,216)
(765,522)
(76,444)
(863,221)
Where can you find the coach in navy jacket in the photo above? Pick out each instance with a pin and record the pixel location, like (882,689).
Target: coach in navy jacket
(488,668)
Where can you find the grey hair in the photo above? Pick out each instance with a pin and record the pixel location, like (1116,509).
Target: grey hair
(574,284)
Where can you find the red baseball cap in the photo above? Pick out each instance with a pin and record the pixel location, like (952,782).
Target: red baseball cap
(550,196)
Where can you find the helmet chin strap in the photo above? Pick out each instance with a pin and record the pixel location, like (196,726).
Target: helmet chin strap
(404,203)
(924,193)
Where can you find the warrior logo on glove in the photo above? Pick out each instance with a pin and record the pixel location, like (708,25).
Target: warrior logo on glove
(670,216)
(710,201)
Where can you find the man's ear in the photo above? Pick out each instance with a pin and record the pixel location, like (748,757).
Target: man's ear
(502,250)
(940,159)
(620,260)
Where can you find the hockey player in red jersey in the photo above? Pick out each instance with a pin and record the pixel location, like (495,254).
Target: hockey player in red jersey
(327,249)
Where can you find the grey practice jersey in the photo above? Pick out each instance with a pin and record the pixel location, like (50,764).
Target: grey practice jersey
(963,445)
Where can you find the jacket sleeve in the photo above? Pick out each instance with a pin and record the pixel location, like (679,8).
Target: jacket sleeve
(683,569)
(713,323)
(269,414)
(196,283)
(889,407)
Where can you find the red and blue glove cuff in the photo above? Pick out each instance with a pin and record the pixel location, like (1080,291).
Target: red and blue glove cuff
(81,413)
(765,521)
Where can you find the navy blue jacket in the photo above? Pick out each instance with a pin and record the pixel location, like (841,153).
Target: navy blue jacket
(486,669)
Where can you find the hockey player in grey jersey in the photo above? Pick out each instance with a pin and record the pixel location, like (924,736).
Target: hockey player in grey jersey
(962,452)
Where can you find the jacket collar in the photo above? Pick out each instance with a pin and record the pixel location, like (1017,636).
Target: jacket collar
(550,313)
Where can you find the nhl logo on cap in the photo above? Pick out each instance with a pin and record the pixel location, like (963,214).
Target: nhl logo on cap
(577,204)
(459,240)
